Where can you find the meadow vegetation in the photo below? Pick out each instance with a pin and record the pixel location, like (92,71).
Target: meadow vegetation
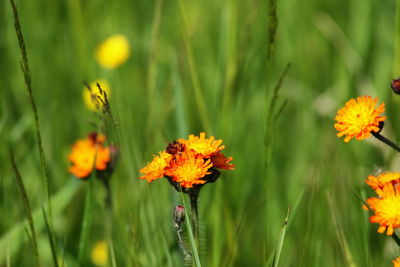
(266,77)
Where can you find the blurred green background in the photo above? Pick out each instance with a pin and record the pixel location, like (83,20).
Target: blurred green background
(337,50)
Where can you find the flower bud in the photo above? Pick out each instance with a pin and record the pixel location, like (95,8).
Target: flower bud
(179,215)
(396,86)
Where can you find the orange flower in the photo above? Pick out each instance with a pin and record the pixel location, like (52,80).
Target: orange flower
(187,163)
(396,262)
(155,169)
(358,118)
(187,169)
(386,208)
(382,179)
(221,162)
(87,154)
(202,145)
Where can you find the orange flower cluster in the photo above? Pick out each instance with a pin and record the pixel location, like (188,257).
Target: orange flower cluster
(386,206)
(89,154)
(359,117)
(189,162)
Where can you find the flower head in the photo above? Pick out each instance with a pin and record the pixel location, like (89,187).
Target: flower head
(188,170)
(396,262)
(202,145)
(93,98)
(382,179)
(155,169)
(358,118)
(89,154)
(114,51)
(189,163)
(386,208)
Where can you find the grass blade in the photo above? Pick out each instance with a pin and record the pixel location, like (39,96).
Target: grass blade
(278,250)
(27,206)
(28,82)
(51,239)
(272,28)
(190,234)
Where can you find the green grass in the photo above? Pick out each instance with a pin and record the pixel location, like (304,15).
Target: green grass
(200,66)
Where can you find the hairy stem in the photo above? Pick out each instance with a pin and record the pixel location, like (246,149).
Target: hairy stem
(195,216)
(386,141)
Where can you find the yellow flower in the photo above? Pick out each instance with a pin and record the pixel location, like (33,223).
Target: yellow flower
(92,94)
(84,154)
(202,145)
(386,208)
(155,169)
(358,118)
(187,169)
(100,253)
(382,179)
(114,51)
(396,262)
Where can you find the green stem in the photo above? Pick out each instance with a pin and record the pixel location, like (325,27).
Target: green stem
(86,224)
(108,200)
(396,239)
(195,216)
(183,245)
(386,141)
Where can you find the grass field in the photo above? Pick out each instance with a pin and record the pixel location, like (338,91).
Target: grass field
(194,66)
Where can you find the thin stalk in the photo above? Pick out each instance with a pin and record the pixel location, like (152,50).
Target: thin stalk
(51,240)
(28,82)
(195,217)
(108,200)
(386,141)
(396,239)
(86,223)
(109,220)
(31,232)
(182,244)
(190,234)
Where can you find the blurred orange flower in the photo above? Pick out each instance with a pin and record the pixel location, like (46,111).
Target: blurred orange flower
(386,208)
(358,118)
(88,154)
(382,179)
(189,162)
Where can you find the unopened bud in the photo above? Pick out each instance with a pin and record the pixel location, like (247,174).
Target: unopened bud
(179,215)
(396,86)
